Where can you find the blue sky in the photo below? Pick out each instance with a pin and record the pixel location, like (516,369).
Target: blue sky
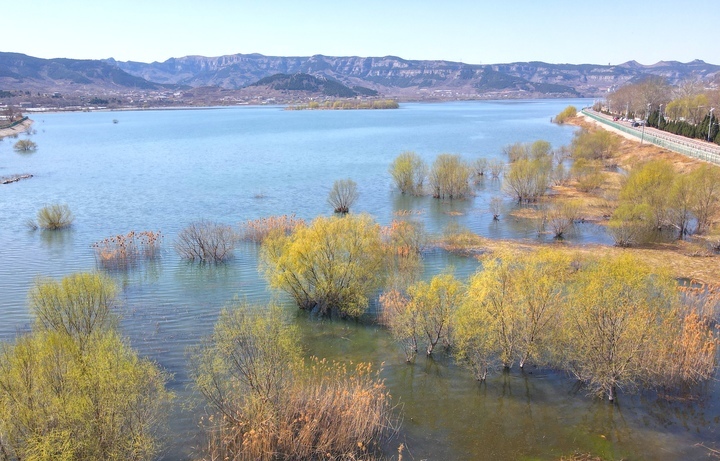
(475,32)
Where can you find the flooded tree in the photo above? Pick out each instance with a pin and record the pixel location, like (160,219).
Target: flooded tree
(73,388)
(561,217)
(705,206)
(512,309)
(450,177)
(527,179)
(424,314)
(650,185)
(409,171)
(206,241)
(435,302)
(56,216)
(25,145)
(616,312)
(80,305)
(496,207)
(268,404)
(567,113)
(631,224)
(329,266)
(343,195)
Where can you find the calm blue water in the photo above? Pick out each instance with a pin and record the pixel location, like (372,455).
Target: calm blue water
(160,170)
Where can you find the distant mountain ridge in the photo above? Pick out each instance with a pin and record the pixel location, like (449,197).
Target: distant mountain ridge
(391,74)
(22,71)
(227,78)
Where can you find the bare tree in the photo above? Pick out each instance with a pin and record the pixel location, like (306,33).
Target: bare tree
(495,207)
(206,241)
(343,195)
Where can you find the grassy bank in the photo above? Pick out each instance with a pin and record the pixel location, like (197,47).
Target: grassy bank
(690,258)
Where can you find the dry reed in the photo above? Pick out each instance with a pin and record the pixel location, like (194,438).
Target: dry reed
(330,413)
(257,230)
(123,251)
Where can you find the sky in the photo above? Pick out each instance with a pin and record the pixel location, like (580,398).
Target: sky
(474,32)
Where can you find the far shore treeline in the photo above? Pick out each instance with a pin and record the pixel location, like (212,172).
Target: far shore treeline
(347,104)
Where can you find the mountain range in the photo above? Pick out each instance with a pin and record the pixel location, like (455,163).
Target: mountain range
(389,76)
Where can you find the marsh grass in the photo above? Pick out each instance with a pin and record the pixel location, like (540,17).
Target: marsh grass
(330,411)
(459,239)
(54,217)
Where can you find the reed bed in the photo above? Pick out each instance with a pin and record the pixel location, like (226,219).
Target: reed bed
(126,250)
(257,230)
(333,412)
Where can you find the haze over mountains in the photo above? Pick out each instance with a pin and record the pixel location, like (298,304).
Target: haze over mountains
(390,76)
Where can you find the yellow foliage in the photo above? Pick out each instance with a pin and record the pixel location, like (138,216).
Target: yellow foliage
(332,265)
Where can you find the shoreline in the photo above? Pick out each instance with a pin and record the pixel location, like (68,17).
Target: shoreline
(17,129)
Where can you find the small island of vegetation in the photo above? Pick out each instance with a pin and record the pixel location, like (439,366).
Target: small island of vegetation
(347,104)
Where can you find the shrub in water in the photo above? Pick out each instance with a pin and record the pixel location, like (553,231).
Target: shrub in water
(55,217)
(123,251)
(206,241)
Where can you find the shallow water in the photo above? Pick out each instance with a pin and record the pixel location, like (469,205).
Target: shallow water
(160,170)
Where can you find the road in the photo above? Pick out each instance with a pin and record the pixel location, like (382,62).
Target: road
(687,146)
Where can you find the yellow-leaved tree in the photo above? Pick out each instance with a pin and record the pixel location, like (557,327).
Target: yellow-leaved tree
(329,266)
(73,389)
(424,315)
(512,311)
(618,309)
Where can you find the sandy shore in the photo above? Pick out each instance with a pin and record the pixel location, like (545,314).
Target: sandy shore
(17,129)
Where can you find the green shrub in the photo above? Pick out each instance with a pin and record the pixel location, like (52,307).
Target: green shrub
(568,112)
(73,389)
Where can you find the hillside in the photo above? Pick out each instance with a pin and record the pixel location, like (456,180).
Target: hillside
(19,71)
(312,84)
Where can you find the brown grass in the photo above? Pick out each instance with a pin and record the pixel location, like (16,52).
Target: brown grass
(631,153)
(690,259)
(332,413)
(683,259)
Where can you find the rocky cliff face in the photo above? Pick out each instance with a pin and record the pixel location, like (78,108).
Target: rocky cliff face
(391,75)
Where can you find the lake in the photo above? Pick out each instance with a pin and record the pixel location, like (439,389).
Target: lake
(161,170)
